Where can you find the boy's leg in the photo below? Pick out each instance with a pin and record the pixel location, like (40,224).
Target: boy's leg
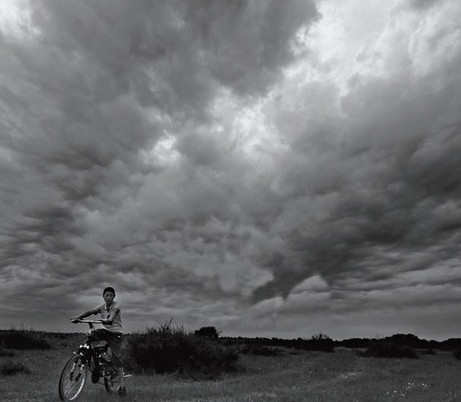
(115,344)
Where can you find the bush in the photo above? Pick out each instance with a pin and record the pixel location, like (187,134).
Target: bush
(22,340)
(12,368)
(389,350)
(457,354)
(260,350)
(320,342)
(210,332)
(6,353)
(171,349)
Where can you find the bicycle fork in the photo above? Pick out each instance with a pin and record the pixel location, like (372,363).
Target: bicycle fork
(78,367)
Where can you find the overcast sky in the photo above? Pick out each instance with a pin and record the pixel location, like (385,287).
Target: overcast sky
(271,168)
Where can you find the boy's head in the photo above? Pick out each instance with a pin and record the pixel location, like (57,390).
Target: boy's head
(108,294)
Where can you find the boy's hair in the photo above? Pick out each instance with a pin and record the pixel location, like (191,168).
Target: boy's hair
(109,289)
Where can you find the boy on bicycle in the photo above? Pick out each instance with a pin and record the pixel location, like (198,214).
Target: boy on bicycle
(111,319)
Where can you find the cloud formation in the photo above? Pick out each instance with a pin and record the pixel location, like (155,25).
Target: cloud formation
(234,163)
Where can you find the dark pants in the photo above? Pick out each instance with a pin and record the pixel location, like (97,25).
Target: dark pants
(114,339)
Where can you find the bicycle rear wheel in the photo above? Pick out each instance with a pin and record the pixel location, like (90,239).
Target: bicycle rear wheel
(73,378)
(113,379)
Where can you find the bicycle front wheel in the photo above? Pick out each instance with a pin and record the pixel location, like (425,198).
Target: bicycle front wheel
(73,378)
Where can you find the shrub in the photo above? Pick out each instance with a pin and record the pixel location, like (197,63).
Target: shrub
(457,354)
(389,350)
(6,353)
(12,368)
(320,342)
(171,349)
(210,332)
(22,340)
(260,350)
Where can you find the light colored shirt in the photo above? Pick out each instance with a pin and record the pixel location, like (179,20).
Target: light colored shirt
(114,313)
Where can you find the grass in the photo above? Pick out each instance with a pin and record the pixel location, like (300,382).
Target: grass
(10,367)
(288,376)
(23,340)
(6,352)
(388,349)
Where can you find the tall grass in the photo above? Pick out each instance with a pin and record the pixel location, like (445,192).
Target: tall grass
(457,354)
(11,368)
(23,340)
(6,353)
(388,349)
(170,348)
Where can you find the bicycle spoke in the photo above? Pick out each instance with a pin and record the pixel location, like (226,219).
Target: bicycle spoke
(72,379)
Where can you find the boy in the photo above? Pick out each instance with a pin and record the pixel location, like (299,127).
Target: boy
(111,318)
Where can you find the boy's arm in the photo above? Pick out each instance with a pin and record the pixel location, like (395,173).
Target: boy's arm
(88,313)
(111,317)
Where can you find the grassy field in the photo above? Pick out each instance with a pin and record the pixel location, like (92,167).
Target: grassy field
(291,376)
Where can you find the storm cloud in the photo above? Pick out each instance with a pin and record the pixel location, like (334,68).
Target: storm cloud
(265,168)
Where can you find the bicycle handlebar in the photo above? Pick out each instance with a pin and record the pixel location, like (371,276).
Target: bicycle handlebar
(77,321)
(87,321)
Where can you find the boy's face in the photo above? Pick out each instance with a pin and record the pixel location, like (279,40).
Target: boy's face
(108,297)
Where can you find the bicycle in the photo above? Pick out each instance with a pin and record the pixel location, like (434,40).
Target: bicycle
(90,356)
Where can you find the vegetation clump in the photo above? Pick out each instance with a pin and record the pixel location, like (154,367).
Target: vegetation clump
(6,353)
(209,332)
(260,350)
(389,350)
(317,343)
(320,342)
(11,368)
(22,340)
(170,349)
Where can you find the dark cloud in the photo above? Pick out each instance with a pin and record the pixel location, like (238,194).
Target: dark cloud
(173,54)
(87,91)
(190,155)
(378,180)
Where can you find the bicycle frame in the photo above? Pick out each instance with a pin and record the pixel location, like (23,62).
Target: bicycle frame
(92,351)
(86,350)
(90,356)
